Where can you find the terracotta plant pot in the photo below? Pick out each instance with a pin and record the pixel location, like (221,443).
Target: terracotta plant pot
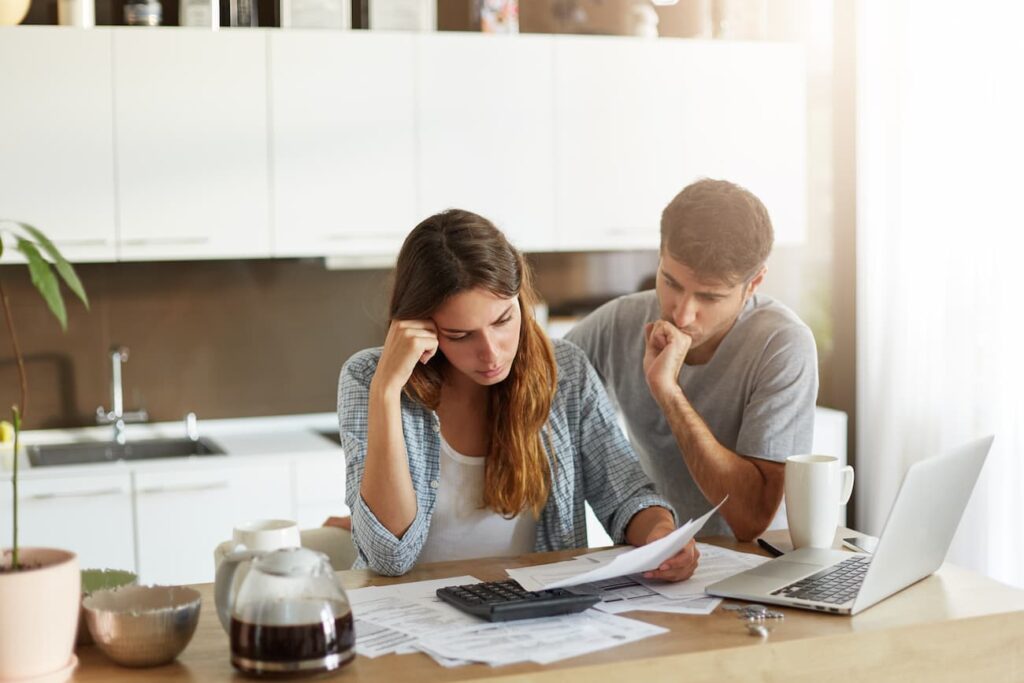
(38,612)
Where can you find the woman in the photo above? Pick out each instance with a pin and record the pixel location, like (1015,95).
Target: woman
(469,434)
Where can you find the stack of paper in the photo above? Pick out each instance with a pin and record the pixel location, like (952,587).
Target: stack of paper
(407,618)
(536,640)
(633,592)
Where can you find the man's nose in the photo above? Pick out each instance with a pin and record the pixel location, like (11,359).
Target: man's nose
(685,312)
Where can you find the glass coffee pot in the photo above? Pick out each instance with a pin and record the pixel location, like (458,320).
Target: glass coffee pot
(287,614)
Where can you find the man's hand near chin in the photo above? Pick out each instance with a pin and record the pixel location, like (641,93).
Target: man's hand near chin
(665,351)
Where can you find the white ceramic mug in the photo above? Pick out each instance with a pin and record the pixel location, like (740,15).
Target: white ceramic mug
(260,534)
(816,485)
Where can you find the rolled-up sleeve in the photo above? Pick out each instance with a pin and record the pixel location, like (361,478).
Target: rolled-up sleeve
(377,548)
(615,485)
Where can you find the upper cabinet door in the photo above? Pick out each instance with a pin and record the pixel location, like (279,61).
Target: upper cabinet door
(344,144)
(744,119)
(619,141)
(191,137)
(487,133)
(56,145)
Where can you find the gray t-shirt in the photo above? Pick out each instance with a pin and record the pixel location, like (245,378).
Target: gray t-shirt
(756,394)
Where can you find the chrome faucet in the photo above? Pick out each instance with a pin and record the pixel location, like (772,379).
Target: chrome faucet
(117,416)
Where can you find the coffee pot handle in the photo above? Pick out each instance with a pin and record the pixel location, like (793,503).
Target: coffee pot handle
(847,474)
(224,592)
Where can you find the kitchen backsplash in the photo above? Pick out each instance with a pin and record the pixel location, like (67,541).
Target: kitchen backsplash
(230,338)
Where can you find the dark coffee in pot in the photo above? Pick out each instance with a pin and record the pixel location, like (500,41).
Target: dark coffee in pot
(272,650)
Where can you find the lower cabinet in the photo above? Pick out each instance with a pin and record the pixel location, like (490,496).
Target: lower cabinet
(181,516)
(88,515)
(164,524)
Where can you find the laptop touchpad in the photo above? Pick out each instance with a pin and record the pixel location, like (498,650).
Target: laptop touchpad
(787,571)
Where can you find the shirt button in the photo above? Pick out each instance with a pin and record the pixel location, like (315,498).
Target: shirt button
(436,427)
(434,484)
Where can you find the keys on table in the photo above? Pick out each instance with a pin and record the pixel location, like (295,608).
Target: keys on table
(760,620)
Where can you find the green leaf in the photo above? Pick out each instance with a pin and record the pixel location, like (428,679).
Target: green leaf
(61,263)
(44,280)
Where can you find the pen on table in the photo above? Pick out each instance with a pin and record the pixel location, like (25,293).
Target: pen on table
(775,552)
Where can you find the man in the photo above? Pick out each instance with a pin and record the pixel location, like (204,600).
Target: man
(716,383)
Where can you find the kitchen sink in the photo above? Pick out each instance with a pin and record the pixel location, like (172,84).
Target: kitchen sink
(109,451)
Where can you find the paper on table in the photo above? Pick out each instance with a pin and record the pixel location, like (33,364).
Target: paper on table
(714,565)
(540,640)
(642,559)
(657,603)
(603,556)
(535,577)
(391,618)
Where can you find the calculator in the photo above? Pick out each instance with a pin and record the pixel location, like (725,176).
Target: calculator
(507,601)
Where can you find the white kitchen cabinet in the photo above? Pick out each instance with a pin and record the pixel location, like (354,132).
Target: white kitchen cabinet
(486,125)
(743,118)
(56,137)
(619,141)
(177,143)
(181,515)
(344,143)
(191,140)
(89,515)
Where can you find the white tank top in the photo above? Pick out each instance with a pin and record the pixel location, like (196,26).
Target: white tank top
(460,527)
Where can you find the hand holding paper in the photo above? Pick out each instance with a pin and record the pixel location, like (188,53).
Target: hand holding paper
(643,559)
(680,566)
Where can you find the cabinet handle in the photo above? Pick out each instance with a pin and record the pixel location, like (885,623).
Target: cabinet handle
(619,232)
(82,243)
(336,237)
(186,488)
(160,241)
(77,494)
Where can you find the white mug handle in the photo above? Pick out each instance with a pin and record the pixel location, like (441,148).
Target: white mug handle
(224,584)
(847,473)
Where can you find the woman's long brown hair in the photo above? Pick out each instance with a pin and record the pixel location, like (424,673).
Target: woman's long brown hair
(456,251)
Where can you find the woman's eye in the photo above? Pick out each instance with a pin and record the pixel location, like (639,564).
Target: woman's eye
(457,339)
(503,320)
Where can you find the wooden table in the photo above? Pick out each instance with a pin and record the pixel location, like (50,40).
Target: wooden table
(955,625)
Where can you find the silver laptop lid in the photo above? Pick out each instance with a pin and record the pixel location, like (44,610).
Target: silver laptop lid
(922,521)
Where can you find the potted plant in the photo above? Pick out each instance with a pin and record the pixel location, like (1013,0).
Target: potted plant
(39,587)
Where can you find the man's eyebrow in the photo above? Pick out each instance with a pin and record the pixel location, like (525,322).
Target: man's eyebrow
(453,330)
(701,292)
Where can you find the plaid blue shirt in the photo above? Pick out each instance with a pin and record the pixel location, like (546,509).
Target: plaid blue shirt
(594,463)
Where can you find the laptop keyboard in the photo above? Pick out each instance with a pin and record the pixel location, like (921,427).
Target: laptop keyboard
(836,584)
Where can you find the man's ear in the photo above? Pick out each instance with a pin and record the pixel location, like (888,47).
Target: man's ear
(755,282)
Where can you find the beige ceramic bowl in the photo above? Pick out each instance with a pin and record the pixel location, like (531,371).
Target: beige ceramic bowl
(142,625)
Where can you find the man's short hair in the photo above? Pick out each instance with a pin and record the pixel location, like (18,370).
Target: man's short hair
(718,229)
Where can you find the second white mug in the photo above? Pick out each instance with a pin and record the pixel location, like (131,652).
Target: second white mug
(260,534)
(816,485)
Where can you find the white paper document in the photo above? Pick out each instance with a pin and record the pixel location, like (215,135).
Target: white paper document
(537,640)
(642,559)
(714,565)
(390,619)
(406,618)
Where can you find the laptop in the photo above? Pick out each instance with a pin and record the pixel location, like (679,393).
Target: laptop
(913,544)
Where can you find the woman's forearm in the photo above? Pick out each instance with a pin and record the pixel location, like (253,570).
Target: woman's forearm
(645,522)
(386,487)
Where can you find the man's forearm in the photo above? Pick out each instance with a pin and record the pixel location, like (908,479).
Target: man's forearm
(754,488)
